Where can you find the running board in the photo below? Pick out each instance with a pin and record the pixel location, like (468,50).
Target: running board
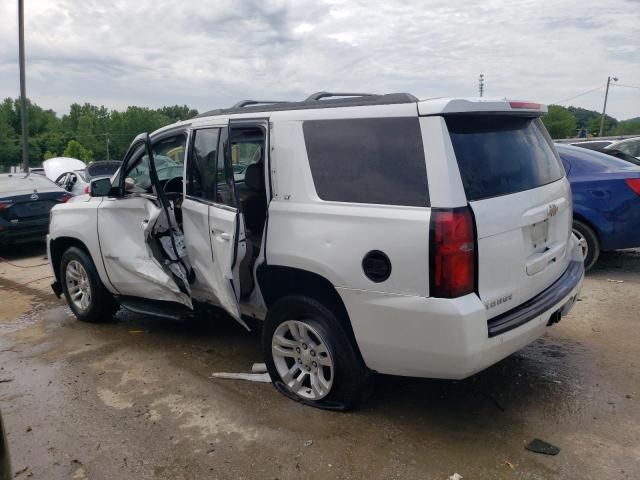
(157,308)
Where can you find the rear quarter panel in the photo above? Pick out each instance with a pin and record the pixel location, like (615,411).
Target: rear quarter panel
(332,238)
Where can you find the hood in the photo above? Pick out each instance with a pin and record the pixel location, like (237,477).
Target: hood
(54,167)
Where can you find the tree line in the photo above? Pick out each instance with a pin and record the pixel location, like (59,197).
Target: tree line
(87,132)
(571,122)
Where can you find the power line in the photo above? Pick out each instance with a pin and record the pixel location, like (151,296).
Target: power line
(627,86)
(579,95)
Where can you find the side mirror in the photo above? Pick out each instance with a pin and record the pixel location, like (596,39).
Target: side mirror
(100,187)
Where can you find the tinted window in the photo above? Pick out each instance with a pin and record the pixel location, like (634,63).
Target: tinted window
(18,182)
(374,160)
(201,170)
(499,155)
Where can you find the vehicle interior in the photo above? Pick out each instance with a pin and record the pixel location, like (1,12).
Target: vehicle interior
(248,163)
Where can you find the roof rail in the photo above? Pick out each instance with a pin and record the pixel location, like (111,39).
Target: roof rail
(314,97)
(246,103)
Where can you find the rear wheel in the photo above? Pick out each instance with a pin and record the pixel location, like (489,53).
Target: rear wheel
(310,357)
(87,297)
(588,242)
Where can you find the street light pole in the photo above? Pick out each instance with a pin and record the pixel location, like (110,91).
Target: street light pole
(23,89)
(604,108)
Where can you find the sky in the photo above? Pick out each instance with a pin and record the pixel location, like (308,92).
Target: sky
(213,53)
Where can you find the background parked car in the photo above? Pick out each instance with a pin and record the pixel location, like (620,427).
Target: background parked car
(25,202)
(78,181)
(630,146)
(606,200)
(596,145)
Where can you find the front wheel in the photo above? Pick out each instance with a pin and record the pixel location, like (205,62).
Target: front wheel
(86,295)
(310,356)
(588,242)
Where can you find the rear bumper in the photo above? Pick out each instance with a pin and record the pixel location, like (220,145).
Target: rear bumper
(26,231)
(449,338)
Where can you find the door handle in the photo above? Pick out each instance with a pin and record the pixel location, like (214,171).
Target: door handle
(225,236)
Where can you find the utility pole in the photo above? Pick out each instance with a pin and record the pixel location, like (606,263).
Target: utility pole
(108,148)
(604,108)
(23,89)
(481,84)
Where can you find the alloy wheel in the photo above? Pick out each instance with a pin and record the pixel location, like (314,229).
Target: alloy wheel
(302,359)
(78,285)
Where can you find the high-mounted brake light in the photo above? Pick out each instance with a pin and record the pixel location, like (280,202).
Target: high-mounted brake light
(452,252)
(525,105)
(633,184)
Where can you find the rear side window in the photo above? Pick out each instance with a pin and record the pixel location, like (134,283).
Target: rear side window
(371,160)
(498,155)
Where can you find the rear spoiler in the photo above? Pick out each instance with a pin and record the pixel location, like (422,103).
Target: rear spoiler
(440,106)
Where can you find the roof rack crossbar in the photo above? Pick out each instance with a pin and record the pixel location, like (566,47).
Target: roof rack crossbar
(247,103)
(314,97)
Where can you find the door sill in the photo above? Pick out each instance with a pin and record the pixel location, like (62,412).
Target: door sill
(158,308)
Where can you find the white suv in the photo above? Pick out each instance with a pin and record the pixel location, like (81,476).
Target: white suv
(369,233)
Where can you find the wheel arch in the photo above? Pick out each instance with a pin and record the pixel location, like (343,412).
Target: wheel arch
(592,225)
(277,281)
(57,248)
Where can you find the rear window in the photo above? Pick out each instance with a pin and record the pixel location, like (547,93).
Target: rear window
(370,160)
(499,155)
(18,182)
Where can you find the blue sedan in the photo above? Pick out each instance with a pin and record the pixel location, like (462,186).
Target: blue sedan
(606,201)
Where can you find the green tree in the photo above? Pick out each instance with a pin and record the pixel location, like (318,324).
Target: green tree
(48,154)
(76,150)
(628,127)
(559,122)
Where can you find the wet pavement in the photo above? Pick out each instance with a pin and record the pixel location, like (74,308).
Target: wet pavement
(132,399)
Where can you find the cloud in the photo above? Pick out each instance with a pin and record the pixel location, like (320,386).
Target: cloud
(211,53)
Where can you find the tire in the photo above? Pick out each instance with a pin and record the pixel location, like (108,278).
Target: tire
(588,242)
(87,297)
(324,352)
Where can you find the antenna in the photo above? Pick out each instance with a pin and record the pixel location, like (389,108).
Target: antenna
(481,84)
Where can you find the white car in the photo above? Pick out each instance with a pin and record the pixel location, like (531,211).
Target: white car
(369,233)
(76,177)
(630,146)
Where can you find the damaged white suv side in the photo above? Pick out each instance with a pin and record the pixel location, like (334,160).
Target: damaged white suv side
(369,233)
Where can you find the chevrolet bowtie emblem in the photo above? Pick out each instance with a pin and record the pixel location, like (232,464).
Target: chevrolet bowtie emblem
(553,210)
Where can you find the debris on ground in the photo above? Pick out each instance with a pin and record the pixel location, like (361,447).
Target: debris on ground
(26,470)
(136,331)
(509,464)
(258,368)
(308,443)
(455,476)
(252,377)
(6,380)
(540,446)
(610,280)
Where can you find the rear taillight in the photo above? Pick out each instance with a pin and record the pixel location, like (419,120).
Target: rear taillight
(4,205)
(452,252)
(64,198)
(87,189)
(633,184)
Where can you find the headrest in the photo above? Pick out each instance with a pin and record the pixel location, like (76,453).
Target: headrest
(254,177)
